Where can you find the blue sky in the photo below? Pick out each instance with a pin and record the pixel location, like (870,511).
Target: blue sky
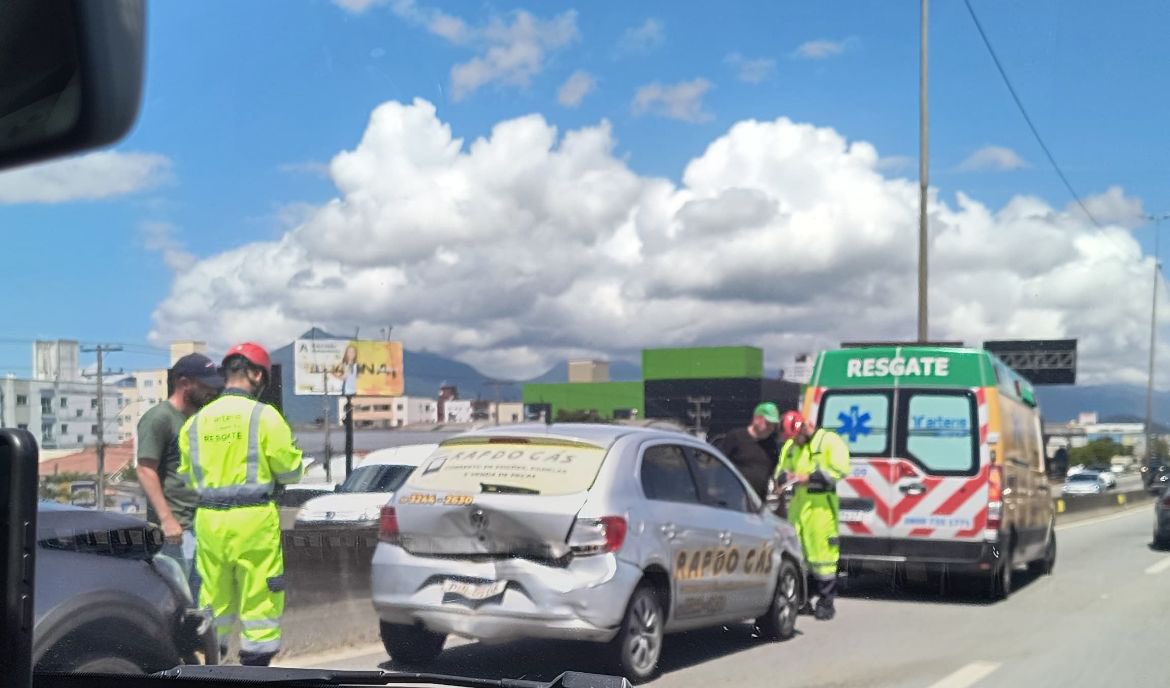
(247,102)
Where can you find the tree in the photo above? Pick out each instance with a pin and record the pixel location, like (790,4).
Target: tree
(1099,451)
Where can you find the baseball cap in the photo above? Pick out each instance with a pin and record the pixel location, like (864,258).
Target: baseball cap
(768,412)
(198,367)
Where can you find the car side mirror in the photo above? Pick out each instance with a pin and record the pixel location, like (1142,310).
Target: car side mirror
(71,75)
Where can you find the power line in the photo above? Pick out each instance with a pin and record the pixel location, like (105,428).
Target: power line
(1019,104)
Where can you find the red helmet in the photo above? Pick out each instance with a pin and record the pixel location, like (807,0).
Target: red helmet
(792,423)
(254,353)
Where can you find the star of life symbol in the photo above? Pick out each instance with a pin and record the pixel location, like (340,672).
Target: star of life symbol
(854,424)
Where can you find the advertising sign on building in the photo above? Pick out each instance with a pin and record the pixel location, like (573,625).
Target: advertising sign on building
(344,367)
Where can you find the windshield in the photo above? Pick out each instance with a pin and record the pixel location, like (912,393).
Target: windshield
(717,344)
(376,479)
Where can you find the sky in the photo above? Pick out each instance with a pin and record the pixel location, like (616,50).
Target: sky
(512,184)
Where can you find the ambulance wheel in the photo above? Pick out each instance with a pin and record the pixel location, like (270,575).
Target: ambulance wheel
(411,644)
(1045,565)
(779,622)
(1001,579)
(638,644)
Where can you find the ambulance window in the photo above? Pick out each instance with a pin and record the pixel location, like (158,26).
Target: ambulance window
(665,475)
(941,432)
(861,419)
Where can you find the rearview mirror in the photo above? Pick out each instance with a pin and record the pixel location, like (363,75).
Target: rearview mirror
(70,75)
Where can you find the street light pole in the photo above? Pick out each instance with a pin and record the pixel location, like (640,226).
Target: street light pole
(923,180)
(1153,337)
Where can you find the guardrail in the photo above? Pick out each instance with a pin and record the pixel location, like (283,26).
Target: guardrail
(1079,506)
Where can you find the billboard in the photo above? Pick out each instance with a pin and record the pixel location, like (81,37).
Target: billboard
(343,367)
(1040,361)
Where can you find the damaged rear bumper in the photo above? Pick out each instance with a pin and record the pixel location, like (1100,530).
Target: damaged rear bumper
(582,600)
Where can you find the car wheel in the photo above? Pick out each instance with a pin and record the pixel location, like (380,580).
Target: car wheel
(1045,565)
(779,622)
(638,644)
(109,664)
(411,644)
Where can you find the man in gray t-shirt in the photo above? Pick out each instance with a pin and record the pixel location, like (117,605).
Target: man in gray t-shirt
(170,501)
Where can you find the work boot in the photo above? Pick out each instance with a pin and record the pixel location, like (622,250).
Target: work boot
(826,593)
(824,611)
(256,658)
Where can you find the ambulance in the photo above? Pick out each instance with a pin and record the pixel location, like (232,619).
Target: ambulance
(948,466)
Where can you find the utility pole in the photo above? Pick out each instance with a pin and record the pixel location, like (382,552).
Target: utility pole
(1153,336)
(328,449)
(699,414)
(923,180)
(101,350)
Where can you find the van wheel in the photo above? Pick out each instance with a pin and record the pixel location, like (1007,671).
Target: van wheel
(638,644)
(1001,578)
(779,622)
(411,644)
(1045,565)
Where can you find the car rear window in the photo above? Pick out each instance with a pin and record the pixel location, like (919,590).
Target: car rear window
(1083,478)
(510,466)
(385,478)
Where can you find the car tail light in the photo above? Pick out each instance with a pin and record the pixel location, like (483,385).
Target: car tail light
(598,535)
(994,498)
(388,525)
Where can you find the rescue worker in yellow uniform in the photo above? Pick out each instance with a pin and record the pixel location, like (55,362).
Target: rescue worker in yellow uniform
(813,460)
(235,452)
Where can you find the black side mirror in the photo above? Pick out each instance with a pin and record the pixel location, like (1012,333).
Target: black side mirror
(70,75)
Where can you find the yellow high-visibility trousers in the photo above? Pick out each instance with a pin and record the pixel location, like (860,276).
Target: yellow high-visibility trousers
(241,564)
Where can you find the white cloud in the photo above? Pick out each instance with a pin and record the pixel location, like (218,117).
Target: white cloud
(1113,207)
(751,70)
(93,176)
(643,38)
(824,48)
(512,250)
(510,50)
(895,163)
(998,158)
(161,237)
(513,52)
(682,101)
(575,88)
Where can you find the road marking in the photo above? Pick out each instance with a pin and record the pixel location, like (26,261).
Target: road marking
(1159,567)
(1129,511)
(967,676)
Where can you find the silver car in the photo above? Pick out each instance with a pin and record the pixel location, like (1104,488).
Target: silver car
(611,534)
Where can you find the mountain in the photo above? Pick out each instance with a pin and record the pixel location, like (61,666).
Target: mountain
(425,373)
(619,371)
(1064,402)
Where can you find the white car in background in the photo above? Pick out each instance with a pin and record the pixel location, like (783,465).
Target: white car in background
(357,502)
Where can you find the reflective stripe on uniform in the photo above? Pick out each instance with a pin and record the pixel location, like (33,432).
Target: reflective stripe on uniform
(286,477)
(264,646)
(235,495)
(256,624)
(254,443)
(193,441)
(223,621)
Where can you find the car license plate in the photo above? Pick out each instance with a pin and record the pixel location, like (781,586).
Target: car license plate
(476,592)
(851,516)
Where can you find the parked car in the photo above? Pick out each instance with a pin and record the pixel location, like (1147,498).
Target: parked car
(611,534)
(1084,483)
(107,601)
(358,501)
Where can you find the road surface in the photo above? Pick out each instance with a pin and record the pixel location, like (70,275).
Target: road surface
(1099,620)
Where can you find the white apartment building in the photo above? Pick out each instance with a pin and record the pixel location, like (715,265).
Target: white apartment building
(390,412)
